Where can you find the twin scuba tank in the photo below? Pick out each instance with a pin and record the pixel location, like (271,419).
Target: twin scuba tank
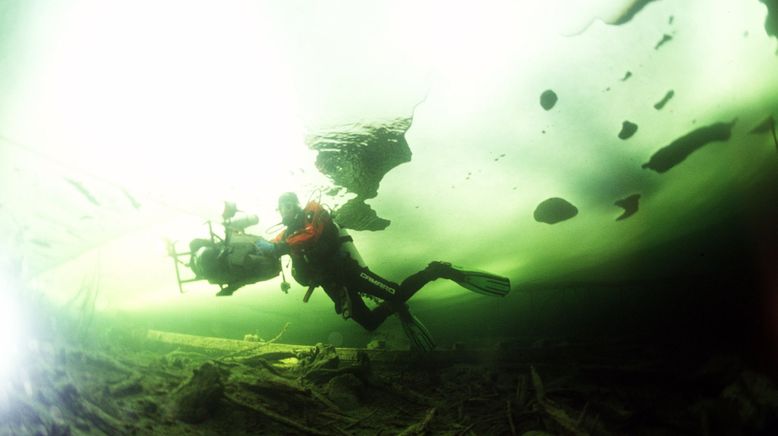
(234,258)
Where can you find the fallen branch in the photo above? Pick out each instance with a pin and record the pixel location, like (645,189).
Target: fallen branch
(510,417)
(408,394)
(326,401)
(360,420)
(419,427)
(321,375)
(583,413)
(466,429)
(521,390)
(274,416)
(104,421)
(260,361)
(341,431)
(561,418)
(537,384)
(278,336)
(337,416)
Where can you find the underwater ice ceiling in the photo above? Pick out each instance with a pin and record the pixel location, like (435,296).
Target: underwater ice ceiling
(528,138)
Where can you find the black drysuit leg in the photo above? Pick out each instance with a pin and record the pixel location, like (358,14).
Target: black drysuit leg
(358,279)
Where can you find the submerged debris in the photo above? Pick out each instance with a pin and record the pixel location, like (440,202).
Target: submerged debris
(554,210)
(135,204)
(665,39)
(630,12)
(628,129)
(754,397)
(627,75)
(661,103)
(577,388)
(40,243)
(768,125)
(674,153)
(548,99)
(83,191)
(629,204)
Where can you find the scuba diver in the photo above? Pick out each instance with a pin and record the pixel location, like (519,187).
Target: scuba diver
(323,255)
(231,260)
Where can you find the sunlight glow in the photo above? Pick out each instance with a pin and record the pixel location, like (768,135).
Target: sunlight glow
(10,331)
(168,110)
(187,105)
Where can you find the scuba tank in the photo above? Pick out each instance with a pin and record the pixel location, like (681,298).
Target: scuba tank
(347,247)
(240,224)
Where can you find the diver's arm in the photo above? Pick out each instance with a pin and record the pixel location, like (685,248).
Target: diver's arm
(281,248)
(274,249)
(317,220)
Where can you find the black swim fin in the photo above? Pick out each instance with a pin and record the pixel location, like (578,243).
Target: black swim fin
(477,281)
(418,335)
(483,282)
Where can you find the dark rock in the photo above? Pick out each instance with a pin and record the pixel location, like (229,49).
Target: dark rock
(197,397)
(148,406)
(674,153)
(345,391)
(548,99)
(755,398)
(661,103)
(554,210)
(630,205)
(628,129)
(627,75)
(128,387)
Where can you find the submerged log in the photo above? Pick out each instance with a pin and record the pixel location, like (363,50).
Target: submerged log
(277,351)
(507,355)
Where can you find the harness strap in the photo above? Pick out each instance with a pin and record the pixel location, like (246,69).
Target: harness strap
(308,293)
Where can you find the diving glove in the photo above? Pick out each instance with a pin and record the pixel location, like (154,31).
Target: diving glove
(266,248)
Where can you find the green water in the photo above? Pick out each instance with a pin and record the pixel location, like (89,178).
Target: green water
(431,133)
(114,140)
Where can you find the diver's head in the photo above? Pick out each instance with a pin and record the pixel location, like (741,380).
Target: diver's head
(289,207)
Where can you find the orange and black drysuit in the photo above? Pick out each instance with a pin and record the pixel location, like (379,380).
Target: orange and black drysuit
(313,242)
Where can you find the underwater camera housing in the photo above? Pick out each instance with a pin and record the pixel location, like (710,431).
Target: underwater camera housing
(231,261)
